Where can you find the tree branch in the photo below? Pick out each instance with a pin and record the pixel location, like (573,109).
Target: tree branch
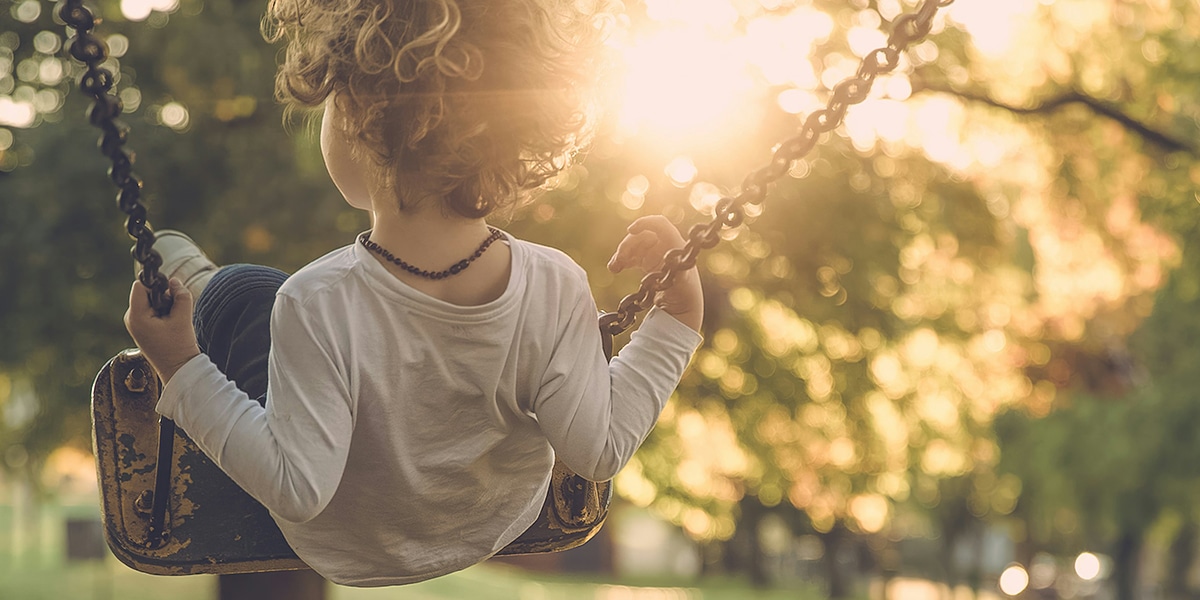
(1103,109)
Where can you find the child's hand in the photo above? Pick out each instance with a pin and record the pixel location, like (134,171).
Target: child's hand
(167,342)
(648,241)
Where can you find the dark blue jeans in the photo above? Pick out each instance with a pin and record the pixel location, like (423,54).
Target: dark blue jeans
(233,323)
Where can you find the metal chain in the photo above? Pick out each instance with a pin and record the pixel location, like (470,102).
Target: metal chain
(97,82)
(730,212)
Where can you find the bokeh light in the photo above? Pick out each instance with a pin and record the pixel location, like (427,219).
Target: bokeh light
(175,116)
(15,113)
(635,192)
(1014,580)
(50,71)
(704,197)
(118,45)
(131,98)
(47,42)
(27,11)
(681,170)
(870,511)
(1087,566)
(139,10)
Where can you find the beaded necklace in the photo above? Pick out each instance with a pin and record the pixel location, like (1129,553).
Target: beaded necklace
(454,269)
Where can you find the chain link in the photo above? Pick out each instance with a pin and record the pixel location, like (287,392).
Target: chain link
(730,212)
(97,82)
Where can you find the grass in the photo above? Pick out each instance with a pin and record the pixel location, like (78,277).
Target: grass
(40,572)
(110,580)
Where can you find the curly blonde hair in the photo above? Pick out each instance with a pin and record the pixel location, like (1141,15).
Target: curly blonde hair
(474,102)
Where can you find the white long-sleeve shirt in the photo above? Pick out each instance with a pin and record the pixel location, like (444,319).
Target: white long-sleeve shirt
(405,437)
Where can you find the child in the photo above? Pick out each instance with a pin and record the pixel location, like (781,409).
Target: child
(414,387)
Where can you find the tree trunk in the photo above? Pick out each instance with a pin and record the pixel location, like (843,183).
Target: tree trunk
(974,577)
(278,585)
(712,558)
(742,554)
(835,575)
(752,514)
(1126,556)
(1180,560)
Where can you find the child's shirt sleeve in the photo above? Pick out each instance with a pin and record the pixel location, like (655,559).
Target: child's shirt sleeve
(595,413)
(289,455)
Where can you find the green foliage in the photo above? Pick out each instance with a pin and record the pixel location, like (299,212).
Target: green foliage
(910,327)
(238,182)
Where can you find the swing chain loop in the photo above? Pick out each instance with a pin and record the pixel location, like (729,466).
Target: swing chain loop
(730,212)
(97,82)
(779,167)
(674,260)
(851,91)
(701,237)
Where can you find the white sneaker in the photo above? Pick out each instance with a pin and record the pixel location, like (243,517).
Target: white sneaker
(184,259)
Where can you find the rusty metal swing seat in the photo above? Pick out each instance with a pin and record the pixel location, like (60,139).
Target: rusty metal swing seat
(169,510)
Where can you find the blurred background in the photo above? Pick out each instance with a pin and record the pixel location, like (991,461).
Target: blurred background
(954,354)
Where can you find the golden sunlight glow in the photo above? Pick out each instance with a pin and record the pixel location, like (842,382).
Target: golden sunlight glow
(992,25)
(681,170)
(634,486)
(703,68)
(635,192)
(679,80)
(778,45)
(704,197)
(796,101)
(702,13)
(871,512)
(697,70)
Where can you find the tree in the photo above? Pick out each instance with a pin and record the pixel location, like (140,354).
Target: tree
(979,241)
(197,87)
(914,285)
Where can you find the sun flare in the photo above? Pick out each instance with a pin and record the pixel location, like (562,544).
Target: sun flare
(702,72)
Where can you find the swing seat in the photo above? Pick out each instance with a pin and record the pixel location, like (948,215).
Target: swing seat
(207,524)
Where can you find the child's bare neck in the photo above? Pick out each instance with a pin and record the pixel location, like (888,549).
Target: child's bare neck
(430,240)
(426,231)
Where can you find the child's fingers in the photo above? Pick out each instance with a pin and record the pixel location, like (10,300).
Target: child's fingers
(137,295)
(649,223)
(656,224)
(139,302)
(648,240)
(183,300)
(633,251)
(138,305)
